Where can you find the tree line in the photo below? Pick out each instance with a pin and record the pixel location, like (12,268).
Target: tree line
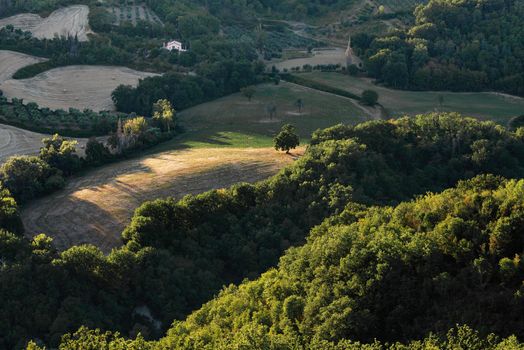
(212,80)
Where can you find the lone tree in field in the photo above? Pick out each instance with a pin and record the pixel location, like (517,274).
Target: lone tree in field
(299,104)
(369,97)
(164,113)
(248,91)
(286,139)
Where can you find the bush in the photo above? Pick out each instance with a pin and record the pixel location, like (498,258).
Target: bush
(369,97)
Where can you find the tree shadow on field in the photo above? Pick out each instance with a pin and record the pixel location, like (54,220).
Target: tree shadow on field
(72,221)
(101,219)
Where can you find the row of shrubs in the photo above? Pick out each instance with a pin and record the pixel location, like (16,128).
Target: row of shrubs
(71,123)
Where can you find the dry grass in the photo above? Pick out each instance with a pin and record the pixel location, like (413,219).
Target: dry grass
(73,86)
(68,21)
(11,61)
(95,208)
(15,141)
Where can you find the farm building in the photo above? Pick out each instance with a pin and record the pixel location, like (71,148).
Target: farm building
(174,45)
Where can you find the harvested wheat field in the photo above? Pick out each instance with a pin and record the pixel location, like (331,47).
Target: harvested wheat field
(67,21)
(11,61)
(15,141)
(78,87)
(96,207)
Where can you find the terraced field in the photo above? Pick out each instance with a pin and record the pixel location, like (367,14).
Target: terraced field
(67,21)
(96,207)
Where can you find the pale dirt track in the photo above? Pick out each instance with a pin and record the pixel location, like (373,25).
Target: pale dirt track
(15,141)
(11,61)
(67,21)
(96,207)
(78,87)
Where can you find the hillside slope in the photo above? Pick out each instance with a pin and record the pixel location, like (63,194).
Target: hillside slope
(391,274)
(179,254)
(466,45)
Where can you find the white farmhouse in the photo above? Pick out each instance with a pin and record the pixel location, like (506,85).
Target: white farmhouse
(174,45)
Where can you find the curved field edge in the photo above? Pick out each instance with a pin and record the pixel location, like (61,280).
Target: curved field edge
(96,207)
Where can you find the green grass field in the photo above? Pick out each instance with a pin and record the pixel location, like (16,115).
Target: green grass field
(487,106)
(233,121)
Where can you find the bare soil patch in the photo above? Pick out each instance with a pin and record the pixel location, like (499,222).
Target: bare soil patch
(67,21)
(96,207)
(73,86)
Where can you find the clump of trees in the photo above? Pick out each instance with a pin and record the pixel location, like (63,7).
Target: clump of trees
(28,176)
(369,97)
(213,80)
(452,46)
(9,217)
(164,115)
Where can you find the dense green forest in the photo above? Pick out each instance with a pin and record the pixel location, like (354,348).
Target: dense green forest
(467,45)
(391,274)
(179,254)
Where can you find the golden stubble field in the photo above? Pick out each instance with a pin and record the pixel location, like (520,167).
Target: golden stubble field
(95,208)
